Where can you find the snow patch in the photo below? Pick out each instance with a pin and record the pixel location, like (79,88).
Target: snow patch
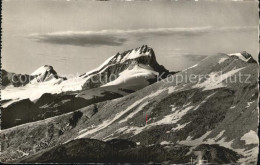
(249,156)
(137,75)
(171,89)
(194,142)
(173,107)
(23,153)
(191,67)
(221,60)
(179,126)
(226,144)
(131,115)
(204,101)
(240,56)
(213,140)
(220,135)
(169,119)
(232,107)
(154,94)
(249,104)
(215,80)
(165,143)
(174,117)
(108,122)
(250,138)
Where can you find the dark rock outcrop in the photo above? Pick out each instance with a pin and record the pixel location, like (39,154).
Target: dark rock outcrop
(17,80)
(95,151)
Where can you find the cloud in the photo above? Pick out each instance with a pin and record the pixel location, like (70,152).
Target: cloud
(120,37)
(79,38)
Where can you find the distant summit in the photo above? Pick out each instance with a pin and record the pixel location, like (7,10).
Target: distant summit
(46,73)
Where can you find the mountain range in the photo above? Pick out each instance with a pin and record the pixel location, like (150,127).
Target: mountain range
(144,114)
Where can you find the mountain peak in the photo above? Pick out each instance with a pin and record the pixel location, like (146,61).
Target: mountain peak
(141,55)
(116,65)
(46,73)
(244,56)
(143,51)
(247,56)
(43,69)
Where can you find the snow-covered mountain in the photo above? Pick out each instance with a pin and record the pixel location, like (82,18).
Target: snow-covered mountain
(209,109)
(134,69)
(131,70)
(43,74)
(118,76)
(46,73)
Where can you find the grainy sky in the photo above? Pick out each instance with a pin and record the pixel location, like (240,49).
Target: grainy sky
(77,36)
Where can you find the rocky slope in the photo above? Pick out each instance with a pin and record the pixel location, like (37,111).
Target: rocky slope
(209,110)
(49,105)
(9,78)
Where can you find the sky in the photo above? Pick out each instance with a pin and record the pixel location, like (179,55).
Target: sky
(77,36)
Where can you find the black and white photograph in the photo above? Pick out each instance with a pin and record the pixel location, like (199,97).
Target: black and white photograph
(130,82)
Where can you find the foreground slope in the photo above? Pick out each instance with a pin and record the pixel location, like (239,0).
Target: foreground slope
(215,111)
(121,151)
